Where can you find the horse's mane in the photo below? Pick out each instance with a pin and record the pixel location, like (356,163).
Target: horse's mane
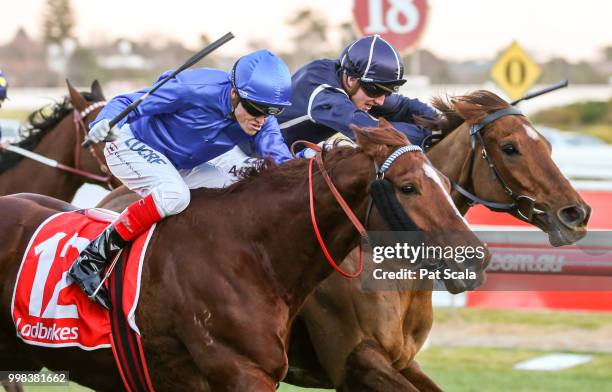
(481,103)
(39,124)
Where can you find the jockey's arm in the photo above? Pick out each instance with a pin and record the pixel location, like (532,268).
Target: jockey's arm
(169,98)
(336,110)
(400,108)
(269,142)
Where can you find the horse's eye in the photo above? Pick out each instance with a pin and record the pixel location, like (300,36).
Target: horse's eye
(409,189)
(509,149)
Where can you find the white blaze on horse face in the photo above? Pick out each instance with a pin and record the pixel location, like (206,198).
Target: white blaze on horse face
(531,132)
(433,174)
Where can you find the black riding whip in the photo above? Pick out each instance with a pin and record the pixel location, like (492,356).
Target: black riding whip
(191,61)
(554,87)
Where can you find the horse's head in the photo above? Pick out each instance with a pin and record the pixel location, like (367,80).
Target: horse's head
(511,163)
(86,106)
(417,196)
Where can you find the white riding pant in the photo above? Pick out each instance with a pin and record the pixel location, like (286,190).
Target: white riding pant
(147,171)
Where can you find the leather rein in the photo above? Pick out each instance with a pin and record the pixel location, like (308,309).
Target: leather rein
(81,135)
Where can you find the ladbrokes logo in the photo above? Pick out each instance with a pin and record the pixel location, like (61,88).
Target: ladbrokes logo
(52,332)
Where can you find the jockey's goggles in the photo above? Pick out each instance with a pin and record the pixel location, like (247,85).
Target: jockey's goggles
(375,90)
(257,110)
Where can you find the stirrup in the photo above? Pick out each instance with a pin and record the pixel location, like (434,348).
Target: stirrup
(106,276)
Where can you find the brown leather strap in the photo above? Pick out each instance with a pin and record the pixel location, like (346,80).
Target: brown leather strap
(308,144)
(81,127)
(347,210)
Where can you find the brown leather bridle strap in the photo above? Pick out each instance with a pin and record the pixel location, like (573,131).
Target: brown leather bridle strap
(347,210)
(81,135)
(312,146)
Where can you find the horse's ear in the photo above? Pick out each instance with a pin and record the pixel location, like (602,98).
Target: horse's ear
(383,123)
(96,91)
(369,146)
(470,112)
(77,100)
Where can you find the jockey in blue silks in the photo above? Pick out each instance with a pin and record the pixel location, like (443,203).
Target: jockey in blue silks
(3,87)
(162,148)
(358,88)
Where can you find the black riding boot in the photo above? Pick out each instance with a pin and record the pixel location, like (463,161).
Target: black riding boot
(87,270)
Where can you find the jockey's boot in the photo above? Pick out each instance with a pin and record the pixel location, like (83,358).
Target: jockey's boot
(88,269)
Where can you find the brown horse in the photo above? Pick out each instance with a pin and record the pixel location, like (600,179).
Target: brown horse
(250,262)
(363,341)
(53,133)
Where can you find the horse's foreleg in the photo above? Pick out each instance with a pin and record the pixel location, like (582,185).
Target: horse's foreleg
(256,381)
(12,386)
(419,379)
(11,359)
(368,369)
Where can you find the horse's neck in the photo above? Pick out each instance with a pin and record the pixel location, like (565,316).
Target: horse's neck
(452,156)
(281,231)
(30,176)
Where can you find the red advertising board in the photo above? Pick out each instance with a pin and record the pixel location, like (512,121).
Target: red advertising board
(593,299)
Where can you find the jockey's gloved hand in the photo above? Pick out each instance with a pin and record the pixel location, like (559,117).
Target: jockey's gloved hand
(102,132)
(306,153)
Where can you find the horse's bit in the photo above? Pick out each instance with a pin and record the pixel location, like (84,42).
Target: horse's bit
(522,206)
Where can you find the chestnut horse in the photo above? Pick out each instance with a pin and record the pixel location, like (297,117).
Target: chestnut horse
(371,345)
(53,133)
(244,259)
(357,341)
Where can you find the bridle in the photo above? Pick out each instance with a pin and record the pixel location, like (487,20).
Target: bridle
(381,194)
(522,206)
(81,135)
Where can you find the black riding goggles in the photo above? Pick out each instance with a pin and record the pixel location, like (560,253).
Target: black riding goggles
(257,110)
(375,90)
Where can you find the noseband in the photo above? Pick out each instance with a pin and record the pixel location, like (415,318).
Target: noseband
(522,206)
(381,193)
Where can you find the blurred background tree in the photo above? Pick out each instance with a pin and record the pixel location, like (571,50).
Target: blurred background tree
(310,39)
(58,22)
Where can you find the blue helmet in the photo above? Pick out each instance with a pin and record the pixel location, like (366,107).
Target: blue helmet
(371,59)
(3,86)
(262,77)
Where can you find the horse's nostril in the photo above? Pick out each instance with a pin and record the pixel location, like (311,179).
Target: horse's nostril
(572,216)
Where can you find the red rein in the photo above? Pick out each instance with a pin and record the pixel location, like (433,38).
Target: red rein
(347,211)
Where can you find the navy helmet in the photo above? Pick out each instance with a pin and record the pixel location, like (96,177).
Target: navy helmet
(262,77)
(371,59)
(3,86)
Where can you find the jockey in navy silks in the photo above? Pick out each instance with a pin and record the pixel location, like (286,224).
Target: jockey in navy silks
(358,88)
(3,87)
(162,148)
(3,91)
